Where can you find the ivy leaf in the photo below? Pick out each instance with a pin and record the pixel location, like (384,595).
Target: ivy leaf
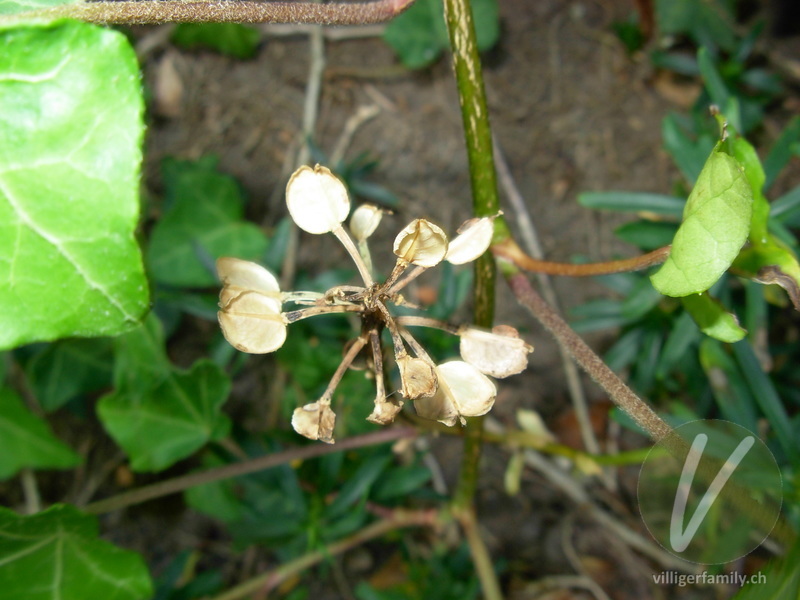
(419,35)
(712,318)
(27,441)
(56,555)
(160,426)
(10,7)
(231,39)
(157,413)
(203,221)
(68,368)
(71,128)
(716,222)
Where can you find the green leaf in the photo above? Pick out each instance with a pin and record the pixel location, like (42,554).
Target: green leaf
(781,152)
(71,124)
(712,318)
(637,202)
(647,235)
(56,555)
(730,391)
(203,221)
(716,222)
(717,89)
(10,7)
(231,39)
(779,580)
(140,360)
(689,154)
(419,35)
(744,152)
(68,368)
(707,22)
(27,441)
(160,426)
(772,263)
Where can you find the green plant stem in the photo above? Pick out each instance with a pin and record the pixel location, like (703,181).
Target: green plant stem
(150,12)
(184,482)
(271,579)
(481,558)
(474,113)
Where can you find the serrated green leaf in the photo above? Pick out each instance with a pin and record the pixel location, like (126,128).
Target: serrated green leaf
(68,368)
(712,318)
(419,35)
(715,226)
(71,128)
(160,426)
(27,441)
(56,555)
(203,222)
(231,39)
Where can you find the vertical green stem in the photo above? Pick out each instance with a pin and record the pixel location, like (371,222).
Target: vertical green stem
(469,78)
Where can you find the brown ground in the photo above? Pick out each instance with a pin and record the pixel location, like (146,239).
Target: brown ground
(571,111)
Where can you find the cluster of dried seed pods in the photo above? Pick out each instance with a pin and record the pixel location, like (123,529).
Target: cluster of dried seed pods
(252,317)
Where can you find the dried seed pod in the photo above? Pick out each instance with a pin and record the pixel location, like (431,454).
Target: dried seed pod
(385,411)
(365,221)
(473,239)
(317,200)
(463,392)
(251,322)
(242,275)
(498,353)
(315,421)
(421,243)
(417,377)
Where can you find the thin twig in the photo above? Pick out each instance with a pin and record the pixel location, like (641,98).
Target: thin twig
(30,490)
(153,12)
(531,240)
(361,116)
(481,559)
(184,482)
(616,389)
(509,250)
(271,579)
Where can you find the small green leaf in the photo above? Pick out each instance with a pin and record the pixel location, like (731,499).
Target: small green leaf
(231,39)
(647,235)
(419,35)
(27,440)
(716,222)
(637,202)
(772,263)
(158,427)
(140,360)
(56,555)
(68,368)
(712,318)
(71,124)
(689,154)
(203,221)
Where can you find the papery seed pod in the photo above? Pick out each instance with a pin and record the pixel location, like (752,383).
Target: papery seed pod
(473,239)
(385,411)
(241,275)
(417,377)
(365,221)
(463,392)
(421,243)
(315,421)
(317,200)
(498,353)
(251,322)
